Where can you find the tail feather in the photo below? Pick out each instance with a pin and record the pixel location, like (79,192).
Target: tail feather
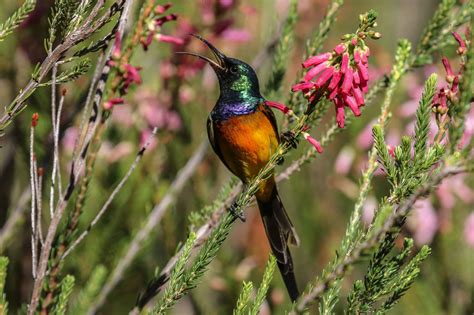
(280,231)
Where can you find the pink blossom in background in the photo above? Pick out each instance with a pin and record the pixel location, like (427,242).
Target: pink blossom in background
(155,112)
(236,35)
(423,222)
(368,210)
(145,136)
(344,160)
(69,139)
(123,115)
(186,94)
(364,139)
(469,230)
(468,127)
(452,187)
(226,3)
(115,153)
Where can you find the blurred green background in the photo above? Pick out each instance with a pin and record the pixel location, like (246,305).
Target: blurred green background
(319,198)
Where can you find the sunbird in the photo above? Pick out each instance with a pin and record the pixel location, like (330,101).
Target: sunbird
(243,133)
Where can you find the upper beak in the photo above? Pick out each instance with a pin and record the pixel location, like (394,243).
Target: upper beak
(219,64)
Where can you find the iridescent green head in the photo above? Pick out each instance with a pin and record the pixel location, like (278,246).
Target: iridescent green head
(237,80)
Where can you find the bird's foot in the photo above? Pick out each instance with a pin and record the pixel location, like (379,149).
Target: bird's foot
(289,137)
(238,214)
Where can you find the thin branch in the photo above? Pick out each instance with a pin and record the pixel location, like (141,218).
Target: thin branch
(152,221)
(33,202)
(402,210)
(112,195)
(78,164)
(88,28)
(53,123)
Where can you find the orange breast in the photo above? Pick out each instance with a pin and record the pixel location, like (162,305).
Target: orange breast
(247,142)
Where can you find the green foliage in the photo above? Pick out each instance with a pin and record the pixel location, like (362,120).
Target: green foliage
(405,173)
(178,281)
(354,231)
(387,278)
(3,276)
(436,25)
(423,116)
(71,74)
(262,290)
(89,292)
(402,59)
(280,59)
(60,21)
(243,301)
(459,110)
(197,218)
(315,44)
(66,286)
(16,18)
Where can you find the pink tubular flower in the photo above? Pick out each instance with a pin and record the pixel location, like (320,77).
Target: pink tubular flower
(391,150)
(169,39)
(449,72)
(108,105)
(315,71)
(449,92)
(284,109)
(155,21)
(303,86)
(462,44)
(313,142)
(116,52)
(341,76)
(316,60)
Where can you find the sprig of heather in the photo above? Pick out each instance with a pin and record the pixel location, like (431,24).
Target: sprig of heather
(341,75)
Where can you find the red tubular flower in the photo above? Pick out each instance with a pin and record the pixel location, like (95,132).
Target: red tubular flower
(347,82)
(313,142)
(449,72)
(391,150)
(108,105)
(302,86)
(335,80)
(34,120)
(281,107)
(315,71)
(316,60)
(324,77)
(116,53)
(340,112)
(169,39)
(462,44)
(340,75)
(160,9)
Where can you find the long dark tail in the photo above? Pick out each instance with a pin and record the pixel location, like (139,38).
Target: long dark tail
(280,231)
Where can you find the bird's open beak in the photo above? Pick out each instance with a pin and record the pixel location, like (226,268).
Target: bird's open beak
(219,64)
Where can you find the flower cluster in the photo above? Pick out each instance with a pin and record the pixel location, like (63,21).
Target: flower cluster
(449,93)
(154,22)
(340,75)
(127,73)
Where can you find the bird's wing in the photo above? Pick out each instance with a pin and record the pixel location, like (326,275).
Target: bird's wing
(213,141)
(269,113)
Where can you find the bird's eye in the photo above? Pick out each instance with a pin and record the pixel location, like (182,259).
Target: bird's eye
(234,69)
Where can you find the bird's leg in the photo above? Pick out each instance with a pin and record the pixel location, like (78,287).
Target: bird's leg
(237,213)
(289,137)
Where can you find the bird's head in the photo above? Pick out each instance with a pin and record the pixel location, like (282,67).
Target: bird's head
(236,78)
